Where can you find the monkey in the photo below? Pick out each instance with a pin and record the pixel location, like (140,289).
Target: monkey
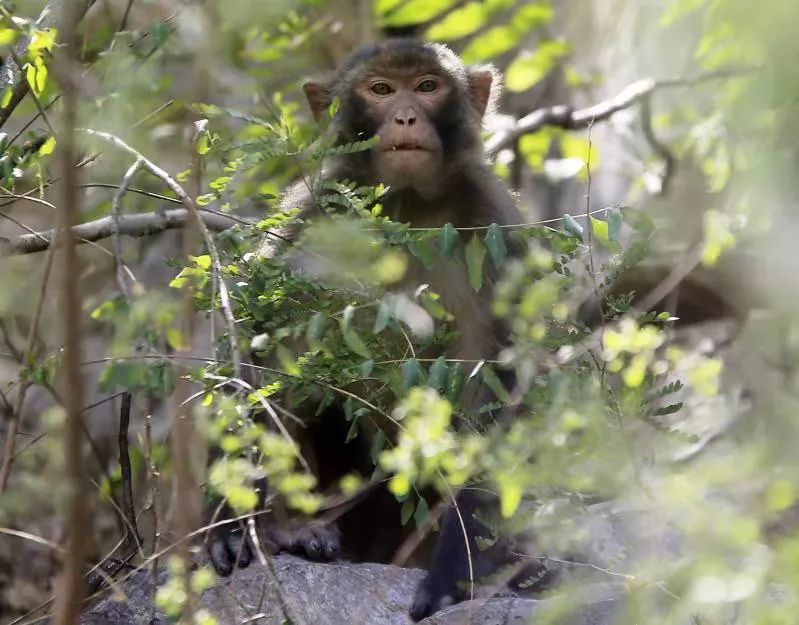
(426,107)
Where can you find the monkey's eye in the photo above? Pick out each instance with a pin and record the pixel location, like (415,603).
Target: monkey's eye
(427,86)
(381,88)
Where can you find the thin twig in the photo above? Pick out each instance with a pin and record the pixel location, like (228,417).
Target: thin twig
(224,295)
(122,271)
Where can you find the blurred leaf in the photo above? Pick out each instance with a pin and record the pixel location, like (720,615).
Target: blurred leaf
(529,68)
(411,11)
(493,42)
(459,23)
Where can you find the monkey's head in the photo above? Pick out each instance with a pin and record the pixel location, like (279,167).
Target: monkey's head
(421,101)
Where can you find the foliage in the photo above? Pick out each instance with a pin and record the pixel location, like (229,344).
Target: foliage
(602,404)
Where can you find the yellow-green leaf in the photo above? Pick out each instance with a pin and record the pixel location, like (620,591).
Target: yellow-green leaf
(461,22)
(47,147)
(7,36)
(530,68)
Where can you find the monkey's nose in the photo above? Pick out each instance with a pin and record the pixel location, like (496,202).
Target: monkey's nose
(405,118)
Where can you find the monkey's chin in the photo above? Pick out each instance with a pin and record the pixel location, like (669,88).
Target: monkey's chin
(403,169)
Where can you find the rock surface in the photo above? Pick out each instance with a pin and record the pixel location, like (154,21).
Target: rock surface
(336,594)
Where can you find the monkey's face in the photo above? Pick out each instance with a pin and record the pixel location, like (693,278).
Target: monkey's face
(401,110)
(422,103)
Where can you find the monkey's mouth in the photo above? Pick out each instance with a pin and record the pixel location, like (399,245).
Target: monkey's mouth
(406,147)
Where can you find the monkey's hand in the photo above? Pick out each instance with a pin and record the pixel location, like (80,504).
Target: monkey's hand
(229,546)
(315,540)
(439,589)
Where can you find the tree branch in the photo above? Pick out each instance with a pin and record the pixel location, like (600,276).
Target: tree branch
(566,117)
(136,225)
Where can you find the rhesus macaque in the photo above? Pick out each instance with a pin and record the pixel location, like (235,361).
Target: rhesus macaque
(426,107)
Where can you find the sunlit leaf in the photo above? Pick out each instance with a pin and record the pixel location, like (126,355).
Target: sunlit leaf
(529,68)
(413,12)
(459,23)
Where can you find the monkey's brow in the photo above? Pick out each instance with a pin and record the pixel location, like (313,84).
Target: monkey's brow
(410,71)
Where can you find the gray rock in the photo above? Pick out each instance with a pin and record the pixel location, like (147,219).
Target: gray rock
(343,593)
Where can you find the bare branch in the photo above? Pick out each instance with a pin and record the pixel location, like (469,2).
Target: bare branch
(138,225)
(566,117)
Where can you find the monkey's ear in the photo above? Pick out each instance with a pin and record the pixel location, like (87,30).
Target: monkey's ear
(318,98)
(480,81)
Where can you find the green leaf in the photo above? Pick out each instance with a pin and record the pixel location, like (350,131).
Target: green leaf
(422,513)
(455,380)
(495,384)
(355,343)
(406,512)
(288,360)
(412,373)
(203,146)
(316,330)
(421,246)
(495,242)
(437,378)
(475,256)
(571,226)
(600,231)
(447,240)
